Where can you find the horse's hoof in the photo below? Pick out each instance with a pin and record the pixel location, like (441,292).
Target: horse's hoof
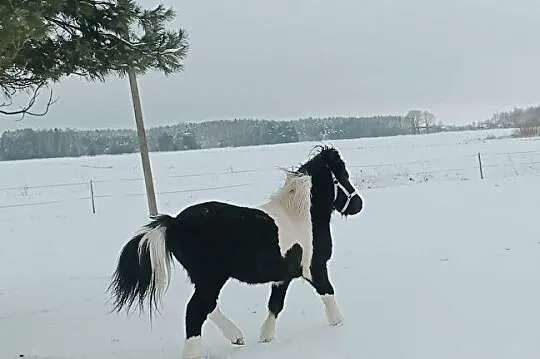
(268,329)
(335,319)
(265,339)
(238,341)
(193,348)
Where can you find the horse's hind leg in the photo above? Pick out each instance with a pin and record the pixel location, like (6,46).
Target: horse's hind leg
(227,327)
(202,302)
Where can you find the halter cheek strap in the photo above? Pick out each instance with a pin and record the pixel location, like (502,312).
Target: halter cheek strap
(349,195)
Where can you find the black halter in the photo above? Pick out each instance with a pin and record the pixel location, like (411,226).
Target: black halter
(348,194)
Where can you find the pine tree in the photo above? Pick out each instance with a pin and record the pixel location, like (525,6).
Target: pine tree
(43,41)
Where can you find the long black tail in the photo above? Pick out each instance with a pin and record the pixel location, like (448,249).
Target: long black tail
(144,267)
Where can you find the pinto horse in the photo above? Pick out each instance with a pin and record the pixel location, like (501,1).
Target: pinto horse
(285,238)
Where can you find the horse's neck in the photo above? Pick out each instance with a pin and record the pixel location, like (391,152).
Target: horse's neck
(321,207)
(322,237)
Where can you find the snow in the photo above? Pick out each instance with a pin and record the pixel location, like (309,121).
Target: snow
(443,268)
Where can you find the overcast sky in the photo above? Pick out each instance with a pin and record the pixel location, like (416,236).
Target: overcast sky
(281,59)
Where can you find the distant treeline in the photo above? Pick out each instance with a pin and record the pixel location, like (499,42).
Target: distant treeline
(517,118)
(520,118)
(28,143)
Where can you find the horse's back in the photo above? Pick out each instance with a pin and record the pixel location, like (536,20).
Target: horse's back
(237,241)
(215,215)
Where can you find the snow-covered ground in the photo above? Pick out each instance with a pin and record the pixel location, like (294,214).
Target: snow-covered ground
(440,264)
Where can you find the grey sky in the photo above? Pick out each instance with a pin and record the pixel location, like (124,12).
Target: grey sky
(461,59)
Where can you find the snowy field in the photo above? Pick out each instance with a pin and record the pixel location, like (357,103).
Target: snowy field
(440,264)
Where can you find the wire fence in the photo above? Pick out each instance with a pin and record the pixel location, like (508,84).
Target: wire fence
(494,165)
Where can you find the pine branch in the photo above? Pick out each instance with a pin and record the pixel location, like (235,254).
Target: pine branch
(41,42)
(25,110)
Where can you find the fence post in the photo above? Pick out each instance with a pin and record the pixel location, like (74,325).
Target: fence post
(92,197)
(480,166)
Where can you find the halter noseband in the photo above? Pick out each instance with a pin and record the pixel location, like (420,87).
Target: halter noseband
(345,191)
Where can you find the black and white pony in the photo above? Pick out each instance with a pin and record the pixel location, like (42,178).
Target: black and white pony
(285,238)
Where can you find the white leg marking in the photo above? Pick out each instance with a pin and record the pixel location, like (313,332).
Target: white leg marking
(268,329)
(227,327)
(193,348)
(332,311)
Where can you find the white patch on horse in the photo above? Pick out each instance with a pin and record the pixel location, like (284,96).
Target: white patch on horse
(193,348)
(154,241)
(268,329)
(290,208)
(332,311)
(227,327)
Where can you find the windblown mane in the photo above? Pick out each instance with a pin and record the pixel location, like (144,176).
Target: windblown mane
(295,194)
(316,155)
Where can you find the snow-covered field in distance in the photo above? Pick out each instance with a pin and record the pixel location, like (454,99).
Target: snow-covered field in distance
(440,264)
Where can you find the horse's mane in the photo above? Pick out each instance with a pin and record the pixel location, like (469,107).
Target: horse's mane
(318,149)
(314,154)
(295,193)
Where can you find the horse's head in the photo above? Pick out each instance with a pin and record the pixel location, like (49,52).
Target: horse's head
(331,183)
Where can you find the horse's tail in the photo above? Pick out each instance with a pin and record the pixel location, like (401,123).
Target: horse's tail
(144,267)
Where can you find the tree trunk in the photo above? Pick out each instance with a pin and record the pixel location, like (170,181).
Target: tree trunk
(147,170)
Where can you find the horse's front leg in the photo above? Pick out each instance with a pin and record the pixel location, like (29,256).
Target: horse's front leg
(321,283)
(290,268)
(275,306)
